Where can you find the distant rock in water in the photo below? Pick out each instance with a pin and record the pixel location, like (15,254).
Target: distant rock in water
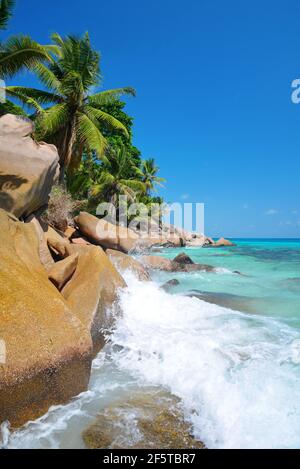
(149,419)
(183,259)
(185,264)
(227,300)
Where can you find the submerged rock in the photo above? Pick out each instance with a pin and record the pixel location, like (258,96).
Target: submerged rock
(228,300)
(170,284)
(145,420)
(28,169)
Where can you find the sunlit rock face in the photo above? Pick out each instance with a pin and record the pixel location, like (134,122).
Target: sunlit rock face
(48,348)
(28,169)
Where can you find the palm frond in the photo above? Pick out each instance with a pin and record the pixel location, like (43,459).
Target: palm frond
(23,98)
(6,8)
(52,120)
(19,52)
(42,97)
(105,119)
(89,135)
(107,97)
(11,108)
(47,77)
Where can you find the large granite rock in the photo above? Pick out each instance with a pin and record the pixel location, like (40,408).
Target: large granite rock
(123,262)
(106,234)
(223,242)
(92,292)
(48,347)
(28,169)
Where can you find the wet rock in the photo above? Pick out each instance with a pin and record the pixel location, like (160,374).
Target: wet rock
(123,262)
(183,259)
(145,420)
(160,263)
(92,292)
(227,300)
(170,284)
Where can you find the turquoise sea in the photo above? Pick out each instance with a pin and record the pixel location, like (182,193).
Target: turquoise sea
(226,343)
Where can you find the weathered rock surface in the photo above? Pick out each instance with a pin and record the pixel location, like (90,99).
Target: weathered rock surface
(27,169)
(62,271)
(145,420)
(223,242)
(48,348)
(44,251)
(183,259)
(92,292)
(123,262)
(57,244)
(106,234)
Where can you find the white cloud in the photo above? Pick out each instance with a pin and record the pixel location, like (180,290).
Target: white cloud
(271,211)
(185,196)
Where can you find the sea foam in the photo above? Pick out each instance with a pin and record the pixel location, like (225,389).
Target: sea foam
(238,375)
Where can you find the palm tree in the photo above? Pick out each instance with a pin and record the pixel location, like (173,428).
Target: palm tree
(73,120)
(112,181)
(149,176)
(20,51)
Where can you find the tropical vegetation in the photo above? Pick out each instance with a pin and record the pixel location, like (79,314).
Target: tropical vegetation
(89,126)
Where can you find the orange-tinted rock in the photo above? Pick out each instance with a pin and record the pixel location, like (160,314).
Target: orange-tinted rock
(62,271)
(224,242)
(48,348)
(93,290)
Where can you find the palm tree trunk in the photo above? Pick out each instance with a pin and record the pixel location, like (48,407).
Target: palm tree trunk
(66,151)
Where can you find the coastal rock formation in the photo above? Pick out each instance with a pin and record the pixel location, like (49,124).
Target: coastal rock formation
(44,251)
(27,169)
(185,264)
(223,242)
(149,419)
(123,262)
(183,259)
(92,292)
(170,284)
(48,349)
(106,234)
(158,263)
(62,271)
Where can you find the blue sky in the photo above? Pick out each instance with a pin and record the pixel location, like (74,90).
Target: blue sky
(213,106)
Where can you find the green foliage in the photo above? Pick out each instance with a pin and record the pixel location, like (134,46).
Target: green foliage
(76,120)
(6,8)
